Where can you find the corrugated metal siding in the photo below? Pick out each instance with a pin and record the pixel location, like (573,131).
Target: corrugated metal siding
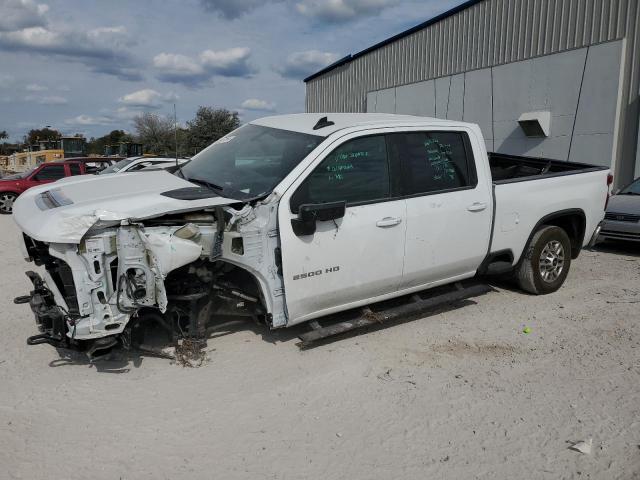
(486,34)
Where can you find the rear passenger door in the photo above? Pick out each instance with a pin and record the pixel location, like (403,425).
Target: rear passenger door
(74,168)
(449,211)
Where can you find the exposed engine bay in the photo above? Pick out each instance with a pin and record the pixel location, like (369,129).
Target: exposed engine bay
(179,272)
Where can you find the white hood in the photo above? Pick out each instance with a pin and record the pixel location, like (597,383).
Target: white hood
(106,199)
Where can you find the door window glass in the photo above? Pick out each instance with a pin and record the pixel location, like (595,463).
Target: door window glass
(139,166)
(50,172)
(433,161)
(355,172)
(74,168)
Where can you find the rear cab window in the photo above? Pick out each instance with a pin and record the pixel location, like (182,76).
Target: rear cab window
(432,162)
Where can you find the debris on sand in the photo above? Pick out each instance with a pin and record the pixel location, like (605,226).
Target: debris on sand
(190,353)
(583,446)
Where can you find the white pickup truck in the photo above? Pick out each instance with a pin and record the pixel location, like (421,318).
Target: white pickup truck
(292,218)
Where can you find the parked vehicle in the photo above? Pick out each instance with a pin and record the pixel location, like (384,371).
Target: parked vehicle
(291,218)
(622,219)
(95,164)
(135,164)
(12,186)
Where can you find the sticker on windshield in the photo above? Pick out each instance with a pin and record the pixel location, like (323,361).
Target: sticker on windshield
(226,139)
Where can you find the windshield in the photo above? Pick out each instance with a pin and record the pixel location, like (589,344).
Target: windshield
(116,167)
(633,189)
(250,161)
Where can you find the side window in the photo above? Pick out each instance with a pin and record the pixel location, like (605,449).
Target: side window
(74,168)
(139,166)
(50,172)
(433,161)
(357,171)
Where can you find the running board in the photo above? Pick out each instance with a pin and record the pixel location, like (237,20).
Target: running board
(416,305)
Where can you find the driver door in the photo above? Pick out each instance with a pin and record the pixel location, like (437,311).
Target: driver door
(347,261)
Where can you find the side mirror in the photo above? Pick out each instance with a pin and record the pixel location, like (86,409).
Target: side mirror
(309,214)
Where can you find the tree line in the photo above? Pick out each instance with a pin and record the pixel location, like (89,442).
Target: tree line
(157,133)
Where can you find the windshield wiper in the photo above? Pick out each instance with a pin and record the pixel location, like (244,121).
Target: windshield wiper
(205,183)
(629,193)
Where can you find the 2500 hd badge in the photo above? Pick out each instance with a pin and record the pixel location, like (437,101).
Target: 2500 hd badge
(316,273)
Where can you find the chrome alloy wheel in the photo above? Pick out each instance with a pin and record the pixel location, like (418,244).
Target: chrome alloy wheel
(6,202)
(551,261)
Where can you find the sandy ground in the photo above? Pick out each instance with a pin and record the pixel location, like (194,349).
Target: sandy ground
(460,394)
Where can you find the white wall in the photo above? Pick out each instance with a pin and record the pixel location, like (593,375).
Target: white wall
(579,87)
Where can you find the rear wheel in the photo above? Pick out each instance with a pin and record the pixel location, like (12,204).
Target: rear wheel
(6,202)
(546,261)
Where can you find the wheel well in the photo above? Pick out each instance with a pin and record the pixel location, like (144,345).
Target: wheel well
(574,223)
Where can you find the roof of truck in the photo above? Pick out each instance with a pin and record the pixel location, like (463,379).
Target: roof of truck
(305,122)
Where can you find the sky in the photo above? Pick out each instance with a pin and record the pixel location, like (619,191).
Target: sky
(90,66)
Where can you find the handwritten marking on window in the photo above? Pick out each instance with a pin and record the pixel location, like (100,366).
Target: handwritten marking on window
(439,157)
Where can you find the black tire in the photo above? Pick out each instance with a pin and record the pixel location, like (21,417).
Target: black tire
(546,261)
(6,202)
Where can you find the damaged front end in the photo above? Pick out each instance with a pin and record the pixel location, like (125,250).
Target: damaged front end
(177,272)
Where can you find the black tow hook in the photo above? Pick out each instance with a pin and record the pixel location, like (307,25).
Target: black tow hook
(46,338)
(22,299)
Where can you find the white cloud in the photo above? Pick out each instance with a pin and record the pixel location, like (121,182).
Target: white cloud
(103,50)
(89,120)
(299,65)
(34,87)
(124,113)
(229,63)
(232,9)
(19,14)
(329,11)
(46,100)
(259,105)
(177,68)
(338,11)
(148,98)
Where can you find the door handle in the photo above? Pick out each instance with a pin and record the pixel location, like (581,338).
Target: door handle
(477,207)
(388,222)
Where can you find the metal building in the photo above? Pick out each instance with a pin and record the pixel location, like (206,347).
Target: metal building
(569,68)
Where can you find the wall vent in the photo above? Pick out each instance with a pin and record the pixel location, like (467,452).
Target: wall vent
(535,124)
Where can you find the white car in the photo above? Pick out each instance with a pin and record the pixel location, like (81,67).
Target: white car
(291,218)
(136,164)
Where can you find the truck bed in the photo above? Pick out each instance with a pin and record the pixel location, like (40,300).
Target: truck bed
(513,168)
(528,190)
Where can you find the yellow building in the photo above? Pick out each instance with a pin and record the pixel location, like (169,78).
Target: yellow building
(23,161)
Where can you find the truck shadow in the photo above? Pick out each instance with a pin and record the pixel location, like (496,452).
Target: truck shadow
(377,318)
(118,361)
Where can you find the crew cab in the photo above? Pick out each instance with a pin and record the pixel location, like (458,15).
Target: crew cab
(13,185)
(292,218)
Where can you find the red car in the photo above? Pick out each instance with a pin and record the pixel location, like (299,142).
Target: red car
(14,185)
